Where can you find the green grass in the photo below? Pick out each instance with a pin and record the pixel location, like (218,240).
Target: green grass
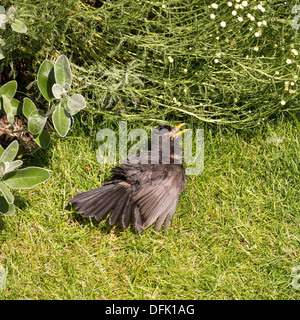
(235,234)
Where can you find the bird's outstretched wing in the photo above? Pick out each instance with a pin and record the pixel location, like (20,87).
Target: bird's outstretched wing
(140,193)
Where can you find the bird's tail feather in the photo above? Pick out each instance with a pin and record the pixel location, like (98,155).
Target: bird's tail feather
(112,197)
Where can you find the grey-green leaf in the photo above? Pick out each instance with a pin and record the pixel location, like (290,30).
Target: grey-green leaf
(61,121)
(57,90)
(28,107)
(10,152)
(43,139)
(16,106)
(26,178)
(2,168)
(1,150)
(11,13)
(6,208)
(6,104)
(75,103)
(46,79)
(9,197)
(36,121)
(62,71)
(10,118)
(11,166)
(19,26)
(9,89)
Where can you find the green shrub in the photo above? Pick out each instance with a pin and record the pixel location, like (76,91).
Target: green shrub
(149,60)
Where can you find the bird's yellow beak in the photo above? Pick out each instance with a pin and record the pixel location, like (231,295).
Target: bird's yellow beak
(175,130)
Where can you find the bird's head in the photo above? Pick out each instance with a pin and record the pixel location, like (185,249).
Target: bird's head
(165,133)
(171,132)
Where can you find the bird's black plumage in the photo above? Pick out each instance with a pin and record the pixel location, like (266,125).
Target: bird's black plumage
(141,193)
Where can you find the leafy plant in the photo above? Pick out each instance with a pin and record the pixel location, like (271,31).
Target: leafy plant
(54,82)
(11,177)
(17,25)
(8,104)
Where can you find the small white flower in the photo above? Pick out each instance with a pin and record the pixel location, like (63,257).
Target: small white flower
(219,54)
(294,52)
(286,85)
(214,5)
(244,3)
(261,8)
(259,23)
(185,70)
(257,34)
(229,4)
(185,90)
(282,102)
(234,13)
(264,22)
(240,19)
(212,16)
(223,24)
(277,73)
(164,6)
(171,60)
(288,61)
(292,83)
(255,49)
(216,61)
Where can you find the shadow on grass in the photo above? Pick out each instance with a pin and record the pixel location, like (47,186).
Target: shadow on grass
(102,225)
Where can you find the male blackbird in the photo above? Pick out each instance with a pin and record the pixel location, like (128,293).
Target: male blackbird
(140,192)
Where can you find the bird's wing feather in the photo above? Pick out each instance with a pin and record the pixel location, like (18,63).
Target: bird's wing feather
(157,201)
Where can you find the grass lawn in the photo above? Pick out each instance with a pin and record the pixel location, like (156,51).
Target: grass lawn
(235,234)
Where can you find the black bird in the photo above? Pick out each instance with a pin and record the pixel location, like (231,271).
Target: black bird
(140,192)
